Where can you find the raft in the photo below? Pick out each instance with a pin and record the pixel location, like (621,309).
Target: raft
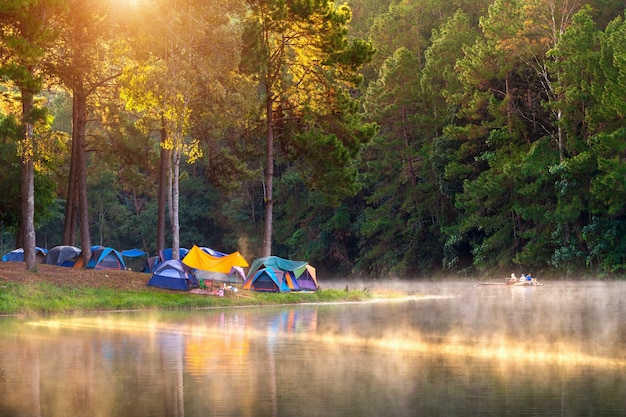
(502,284)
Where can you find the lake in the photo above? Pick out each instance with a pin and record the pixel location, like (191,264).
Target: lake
(556,350)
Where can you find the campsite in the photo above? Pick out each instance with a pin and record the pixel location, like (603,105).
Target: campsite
(54,289)
(195,267)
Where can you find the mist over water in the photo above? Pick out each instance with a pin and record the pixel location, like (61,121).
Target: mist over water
(461,350)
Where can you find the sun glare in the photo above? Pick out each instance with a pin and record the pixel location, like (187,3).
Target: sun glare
(126,4)
(503,351)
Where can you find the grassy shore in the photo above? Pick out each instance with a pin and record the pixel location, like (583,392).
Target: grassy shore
(42,298)
(53,289)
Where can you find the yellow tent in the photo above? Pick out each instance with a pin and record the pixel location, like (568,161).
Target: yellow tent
(198,259)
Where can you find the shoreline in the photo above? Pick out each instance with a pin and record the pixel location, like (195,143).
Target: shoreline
(267,303)
(59,290)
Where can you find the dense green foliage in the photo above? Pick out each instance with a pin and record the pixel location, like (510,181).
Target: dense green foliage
(486,135)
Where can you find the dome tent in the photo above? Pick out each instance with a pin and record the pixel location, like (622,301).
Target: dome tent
(173,275)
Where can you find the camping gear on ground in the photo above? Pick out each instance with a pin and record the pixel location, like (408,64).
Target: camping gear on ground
(62,256)
(211,265)
(17,255)
(173,275)
(134,259)
(297,275)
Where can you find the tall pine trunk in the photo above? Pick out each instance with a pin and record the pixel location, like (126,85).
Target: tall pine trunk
(71,204)
(163,187)
(269,178)
(176,153)
(80,127)
(28,185)
(77,205)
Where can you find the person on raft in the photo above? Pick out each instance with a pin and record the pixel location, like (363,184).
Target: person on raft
(528,279)
(531,280)
(511,280)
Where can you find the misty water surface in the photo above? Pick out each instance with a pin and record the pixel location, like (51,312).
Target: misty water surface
(553,350)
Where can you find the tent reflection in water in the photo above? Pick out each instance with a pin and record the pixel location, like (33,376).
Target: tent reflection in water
(273,273)
(173,275)
(211,265)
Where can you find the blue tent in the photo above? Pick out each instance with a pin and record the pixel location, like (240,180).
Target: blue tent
(266,280)
(105,258)
(17,255)
(133,253)
(173,275)
(294,273)
(168,254)
(134,259)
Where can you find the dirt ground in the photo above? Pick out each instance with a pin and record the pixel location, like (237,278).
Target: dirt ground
(125,280)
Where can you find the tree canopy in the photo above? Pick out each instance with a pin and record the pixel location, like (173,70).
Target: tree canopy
(375,138)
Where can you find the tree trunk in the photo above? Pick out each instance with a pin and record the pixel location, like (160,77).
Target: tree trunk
(69,231)
(175,196)
(163,175)
(28,186)
(406,152)
(81,123)
(269,179)
(509,103)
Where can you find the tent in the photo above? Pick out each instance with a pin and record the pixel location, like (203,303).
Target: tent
(235,276)
(292,272)
(134,259)
(266,280)
(62,256)
(150,264)
(167,254)
(306,280)
(105,258)
(17,255)
(173,275)
(212,265)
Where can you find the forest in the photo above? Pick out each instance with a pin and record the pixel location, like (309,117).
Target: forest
(372,138)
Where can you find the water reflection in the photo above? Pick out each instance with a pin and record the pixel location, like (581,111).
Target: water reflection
(487,351)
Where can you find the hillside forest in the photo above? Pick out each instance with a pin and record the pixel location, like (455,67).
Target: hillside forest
(375,138)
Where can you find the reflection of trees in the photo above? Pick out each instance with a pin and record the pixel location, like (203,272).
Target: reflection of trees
(289,361)
(136,366)
(64,372)
(170,346)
